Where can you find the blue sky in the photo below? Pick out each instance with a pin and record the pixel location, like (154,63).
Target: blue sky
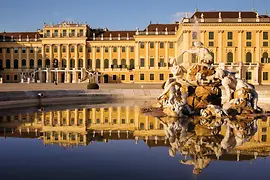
(29,15)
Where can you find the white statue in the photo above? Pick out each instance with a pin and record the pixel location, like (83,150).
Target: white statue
(203,54)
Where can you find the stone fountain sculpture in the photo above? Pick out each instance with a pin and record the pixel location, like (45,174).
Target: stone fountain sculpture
(196,92)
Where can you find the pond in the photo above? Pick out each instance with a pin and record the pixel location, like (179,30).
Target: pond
(117,141)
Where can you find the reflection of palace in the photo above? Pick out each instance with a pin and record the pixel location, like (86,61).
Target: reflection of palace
(82,126)
(238,39)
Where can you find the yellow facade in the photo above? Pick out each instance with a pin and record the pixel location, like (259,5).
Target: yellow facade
(238,41)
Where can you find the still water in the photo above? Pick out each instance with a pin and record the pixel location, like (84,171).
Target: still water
(118,142)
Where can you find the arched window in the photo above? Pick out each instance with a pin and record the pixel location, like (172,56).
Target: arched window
(230,57)
(123,63)
(132,65)
(72,63)
(264,58)
(1,64)
(39,63)
(97,63)
(64,63)
(8,64)
(89,63)
(106,63)
(16,64)
(23,63)
(114,63)
(47,63)
(80,65)
(32,63)
(248,57)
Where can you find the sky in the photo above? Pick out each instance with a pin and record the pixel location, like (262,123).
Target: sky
(29,15)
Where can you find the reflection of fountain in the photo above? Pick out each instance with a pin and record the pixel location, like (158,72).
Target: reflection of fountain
(202,144)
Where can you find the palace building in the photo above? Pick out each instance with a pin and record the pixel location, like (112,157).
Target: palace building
(67,52)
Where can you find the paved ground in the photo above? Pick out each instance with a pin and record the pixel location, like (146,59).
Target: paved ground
(82,86)
(77,86)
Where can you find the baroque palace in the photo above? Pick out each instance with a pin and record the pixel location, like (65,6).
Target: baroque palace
(68,52)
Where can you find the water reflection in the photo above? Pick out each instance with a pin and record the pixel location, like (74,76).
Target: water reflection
(245,139)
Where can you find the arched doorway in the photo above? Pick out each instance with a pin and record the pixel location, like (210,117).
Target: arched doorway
(106,78)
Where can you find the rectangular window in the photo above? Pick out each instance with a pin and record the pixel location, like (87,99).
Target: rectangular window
(8,50)
(114,49)
(80,49)
(0,50)
(98,49)
(248,44)
(264,138)
(229,44)
(15,77)
(142,77)
(265,35)
(132,49)
(264,129)
(123,49)
(152,77)
(106,49)
(230,35)
(265,44)
(161,77)
(48,33)
(248,75)
(142,45)
(171,45)
(55,49)
(24,50)
(211,43)
(194,35)
(211,35)
(152,45)
(170,75)
(16,50)
(152,62)
(89,49)
(161,62)
(265,76)
(131,77)
(81,32)
(161,45)
(72,49)
(142,62)
(248,35)
(123,77)
(39,49)
(7,77)
(31,50)
(73,32)
(114,77)
(64,49)
(64,33)
(56,33)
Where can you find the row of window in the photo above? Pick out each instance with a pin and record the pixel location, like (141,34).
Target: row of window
(230,44)
(152,45)
(131,77)
(55,33)
(16,50)
(211,35)
(63,63)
